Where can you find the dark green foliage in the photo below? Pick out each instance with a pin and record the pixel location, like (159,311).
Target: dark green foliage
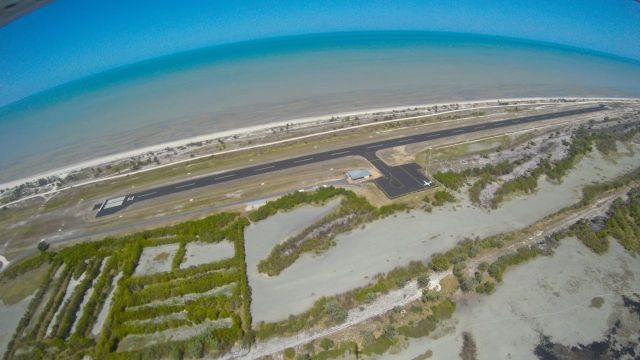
(69,311)
(441,197)
(422,328)
(444,310)
(488,287)
(622,223)
(196,284)
(179,256)
(326,344)
(497,268)
(379,346)
(439,263)
(476,188)
(606,144)
(24,266)
(450,179)
(95,303)
(194,348)
(289,353)
(336,352)
(335,312)
(423,280)
(522,184)
(292,200)
(595,241)
(124,254)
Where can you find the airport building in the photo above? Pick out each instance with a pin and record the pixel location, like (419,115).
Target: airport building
(354,175)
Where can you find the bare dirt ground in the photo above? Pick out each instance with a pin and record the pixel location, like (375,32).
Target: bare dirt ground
(202,253)
(155,259)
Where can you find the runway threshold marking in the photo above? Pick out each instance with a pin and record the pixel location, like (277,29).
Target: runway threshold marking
(184,186)
(302,160)
(265,168)
(224,177)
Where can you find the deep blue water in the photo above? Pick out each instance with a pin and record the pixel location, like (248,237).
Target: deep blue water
(250,83)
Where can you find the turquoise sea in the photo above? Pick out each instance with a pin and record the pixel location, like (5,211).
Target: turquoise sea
(250,83)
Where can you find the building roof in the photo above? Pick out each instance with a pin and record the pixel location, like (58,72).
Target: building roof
(358,174)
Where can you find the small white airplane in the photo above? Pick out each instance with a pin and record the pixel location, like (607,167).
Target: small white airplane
(427,182)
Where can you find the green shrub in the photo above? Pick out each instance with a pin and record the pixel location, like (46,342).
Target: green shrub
(439,263)
(450,179)
(497,268)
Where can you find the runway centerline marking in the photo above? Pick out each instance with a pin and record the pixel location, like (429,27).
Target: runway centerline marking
(148,194)
(224,177)
(184,186)
(341,152)
(303,160)
(404,140)
(374,146)
(265,168)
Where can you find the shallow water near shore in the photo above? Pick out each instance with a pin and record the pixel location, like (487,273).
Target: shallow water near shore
(254,83)
(396,240)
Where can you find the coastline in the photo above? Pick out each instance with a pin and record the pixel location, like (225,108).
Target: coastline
(245,131)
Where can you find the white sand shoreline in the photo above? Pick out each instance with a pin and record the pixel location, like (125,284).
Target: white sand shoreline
(61,172)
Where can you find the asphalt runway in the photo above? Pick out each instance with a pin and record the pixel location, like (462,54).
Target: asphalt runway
(396,180)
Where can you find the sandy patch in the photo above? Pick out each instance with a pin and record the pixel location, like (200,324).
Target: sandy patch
(155,259)
(202,253)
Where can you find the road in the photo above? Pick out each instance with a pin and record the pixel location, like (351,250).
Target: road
(396,180)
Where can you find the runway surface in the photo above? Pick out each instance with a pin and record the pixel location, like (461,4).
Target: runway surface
(396,180)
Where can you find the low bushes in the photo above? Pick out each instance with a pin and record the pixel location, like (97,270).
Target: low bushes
(498,267)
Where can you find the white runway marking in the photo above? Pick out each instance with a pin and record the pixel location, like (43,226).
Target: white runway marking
(224,177)
(265,168)
(184,186)
(303,160)
(341,152)
(147,194)
(374,146)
